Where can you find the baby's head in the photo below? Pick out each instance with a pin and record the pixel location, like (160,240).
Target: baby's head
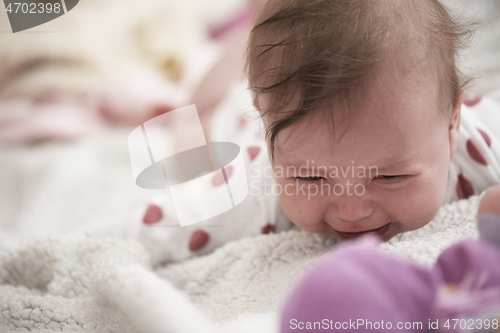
(361,104)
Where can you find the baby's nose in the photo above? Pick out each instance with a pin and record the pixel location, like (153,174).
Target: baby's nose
(352,208)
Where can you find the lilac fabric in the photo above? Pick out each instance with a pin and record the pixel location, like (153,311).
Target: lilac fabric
(359,284)
(356,287)
(476,259)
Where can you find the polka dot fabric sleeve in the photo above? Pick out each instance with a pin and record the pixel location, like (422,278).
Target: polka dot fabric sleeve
(476,164)
(258,214)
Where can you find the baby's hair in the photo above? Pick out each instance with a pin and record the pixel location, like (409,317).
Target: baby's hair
(314,53)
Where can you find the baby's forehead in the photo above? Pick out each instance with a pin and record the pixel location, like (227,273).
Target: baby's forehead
(393,89)
(375,138)
(390,105)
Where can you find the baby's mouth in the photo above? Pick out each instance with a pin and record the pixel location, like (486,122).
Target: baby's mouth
(379,231)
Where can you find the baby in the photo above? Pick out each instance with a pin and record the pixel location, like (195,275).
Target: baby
(366,126)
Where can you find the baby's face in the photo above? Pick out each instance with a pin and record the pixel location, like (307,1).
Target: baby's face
(387,174)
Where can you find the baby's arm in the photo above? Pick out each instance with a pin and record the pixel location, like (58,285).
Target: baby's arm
(166,241)
(156,226)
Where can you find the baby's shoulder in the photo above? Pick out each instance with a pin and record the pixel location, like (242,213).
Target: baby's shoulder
(475,166)
(481,114)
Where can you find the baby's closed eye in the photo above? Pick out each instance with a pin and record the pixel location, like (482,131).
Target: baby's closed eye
(311,178)
(390,178)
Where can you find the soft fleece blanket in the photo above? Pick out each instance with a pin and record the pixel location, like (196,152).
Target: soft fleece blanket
(77,283)
(52,281)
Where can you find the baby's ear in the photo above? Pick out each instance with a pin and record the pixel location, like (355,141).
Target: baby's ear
(454,126)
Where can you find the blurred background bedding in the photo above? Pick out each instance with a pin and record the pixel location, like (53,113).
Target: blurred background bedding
(111,62)
(72,89)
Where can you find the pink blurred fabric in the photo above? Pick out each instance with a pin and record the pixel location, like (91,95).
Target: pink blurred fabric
(128,102)
(131,100)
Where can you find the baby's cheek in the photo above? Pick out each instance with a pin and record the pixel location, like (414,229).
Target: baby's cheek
(425,212)
(293,206)
(421,203)
(303,211)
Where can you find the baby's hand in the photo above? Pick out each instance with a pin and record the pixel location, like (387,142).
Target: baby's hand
(490,202)
(488,216)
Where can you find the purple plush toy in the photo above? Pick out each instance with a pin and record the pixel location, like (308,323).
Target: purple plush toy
(360,289)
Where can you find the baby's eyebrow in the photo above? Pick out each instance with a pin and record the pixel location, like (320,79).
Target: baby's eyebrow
(291,162)
(395,164)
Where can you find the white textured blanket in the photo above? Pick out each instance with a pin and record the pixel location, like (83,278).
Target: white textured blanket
(76,283)
(52,282)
